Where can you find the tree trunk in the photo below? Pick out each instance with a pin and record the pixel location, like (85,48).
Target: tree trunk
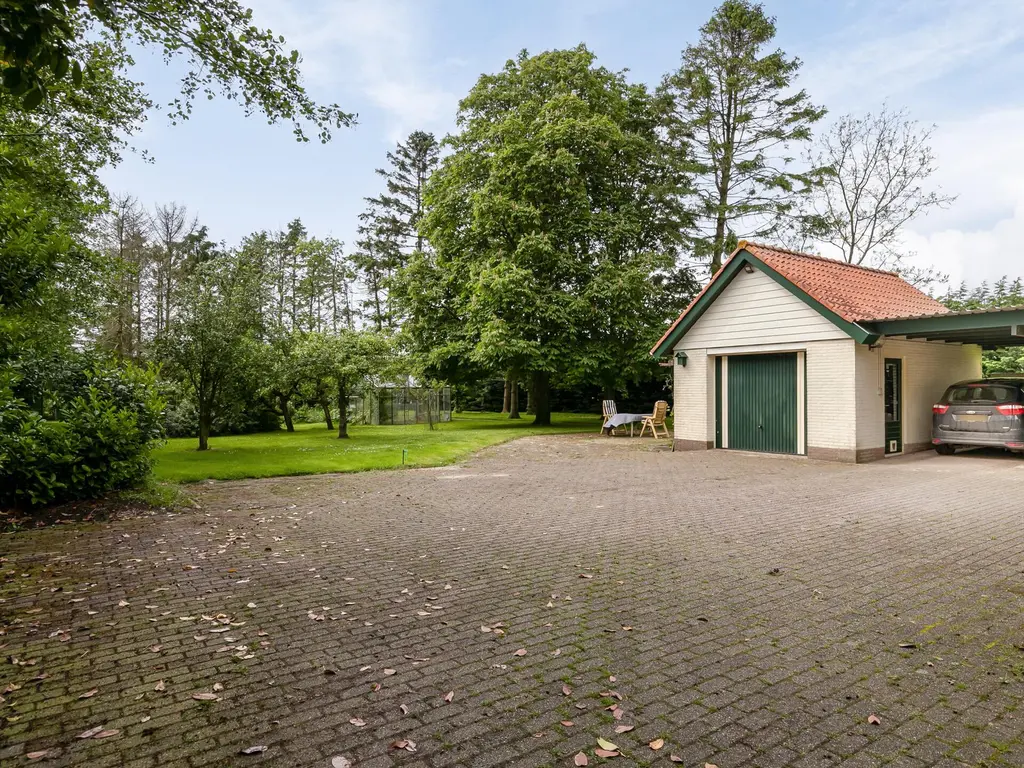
(541,399)
(513,399)
(531,398)
(327,412)
(506,401)
(716,258)
(342,412)
(286,411)
(204,426)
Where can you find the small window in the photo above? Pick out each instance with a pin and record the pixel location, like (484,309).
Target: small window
(981,393)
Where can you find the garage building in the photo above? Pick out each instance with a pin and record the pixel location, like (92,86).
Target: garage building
(786,352)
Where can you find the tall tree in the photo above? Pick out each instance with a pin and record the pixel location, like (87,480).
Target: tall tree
(389,228)
(878,167)
(171,225)
(124,237)
(40,48)
(50,161)
(735,112)
(401,206)
(559,189)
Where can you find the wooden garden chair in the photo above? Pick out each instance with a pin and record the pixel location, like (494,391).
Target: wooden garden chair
(608,410)
(656,420)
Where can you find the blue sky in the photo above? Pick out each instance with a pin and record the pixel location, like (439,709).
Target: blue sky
(404,64)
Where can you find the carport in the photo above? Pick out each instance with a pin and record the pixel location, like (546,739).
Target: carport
(988,328)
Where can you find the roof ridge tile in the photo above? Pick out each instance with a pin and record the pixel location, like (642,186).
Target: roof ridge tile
(816,257)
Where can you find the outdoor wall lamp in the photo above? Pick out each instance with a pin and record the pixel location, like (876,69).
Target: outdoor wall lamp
(748,268)
(681,358)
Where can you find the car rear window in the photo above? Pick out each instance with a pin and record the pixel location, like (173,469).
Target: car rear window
(982,393)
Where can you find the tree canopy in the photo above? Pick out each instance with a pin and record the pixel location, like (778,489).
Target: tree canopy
(41,44)
(735,111)
(556,225)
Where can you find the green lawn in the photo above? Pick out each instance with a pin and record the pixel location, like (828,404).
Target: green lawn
(311,449)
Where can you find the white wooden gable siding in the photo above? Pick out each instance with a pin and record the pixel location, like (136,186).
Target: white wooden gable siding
(753,310)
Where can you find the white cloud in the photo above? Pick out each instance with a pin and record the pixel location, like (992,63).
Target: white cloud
(378,49)
(982,160)
(930,39)
(907,53)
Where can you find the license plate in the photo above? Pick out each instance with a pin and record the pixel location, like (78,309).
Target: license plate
(973,417)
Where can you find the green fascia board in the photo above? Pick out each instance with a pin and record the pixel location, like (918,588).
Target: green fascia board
(858,333)
(945,323)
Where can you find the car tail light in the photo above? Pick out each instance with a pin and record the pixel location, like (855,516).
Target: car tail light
(939,408)
(1014,409)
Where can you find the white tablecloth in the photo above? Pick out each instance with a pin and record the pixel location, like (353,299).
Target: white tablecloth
(619,419)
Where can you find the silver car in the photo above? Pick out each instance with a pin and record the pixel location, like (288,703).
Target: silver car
(980,412)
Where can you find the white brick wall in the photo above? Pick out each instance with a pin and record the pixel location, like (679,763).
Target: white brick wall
(693,396)
(831,409)
(928,368)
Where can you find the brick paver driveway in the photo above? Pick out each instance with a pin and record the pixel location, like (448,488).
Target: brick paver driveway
(746,610)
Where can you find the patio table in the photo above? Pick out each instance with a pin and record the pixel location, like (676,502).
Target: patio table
(621,419)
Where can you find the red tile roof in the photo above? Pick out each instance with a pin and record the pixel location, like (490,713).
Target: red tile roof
(855,293)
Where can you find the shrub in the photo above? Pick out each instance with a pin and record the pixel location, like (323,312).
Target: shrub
(241,412)
(76,435)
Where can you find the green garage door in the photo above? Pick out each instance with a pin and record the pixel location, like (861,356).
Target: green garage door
(762,403)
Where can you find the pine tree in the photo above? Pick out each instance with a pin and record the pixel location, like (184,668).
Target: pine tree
(735,116)
(389,229)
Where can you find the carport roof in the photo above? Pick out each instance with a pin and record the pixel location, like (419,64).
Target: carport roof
(865,303)
(989,328)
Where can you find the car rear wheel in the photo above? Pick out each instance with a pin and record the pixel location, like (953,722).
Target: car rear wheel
(945,450)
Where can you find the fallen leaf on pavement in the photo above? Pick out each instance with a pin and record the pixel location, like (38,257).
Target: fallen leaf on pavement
(206,697)
(449,696)
(257,750)
(218,686)
(520,652)
(159,686)
(657,744)
(580,759)
(568,723)
(606,753)
(873,720)
(89,694)
(605,744)
(389,672)
(37,755)
(566,690)
(403,709)
(624,728)
(357,722)
(90,733)
(106,734)
(675,758)
(341,762)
